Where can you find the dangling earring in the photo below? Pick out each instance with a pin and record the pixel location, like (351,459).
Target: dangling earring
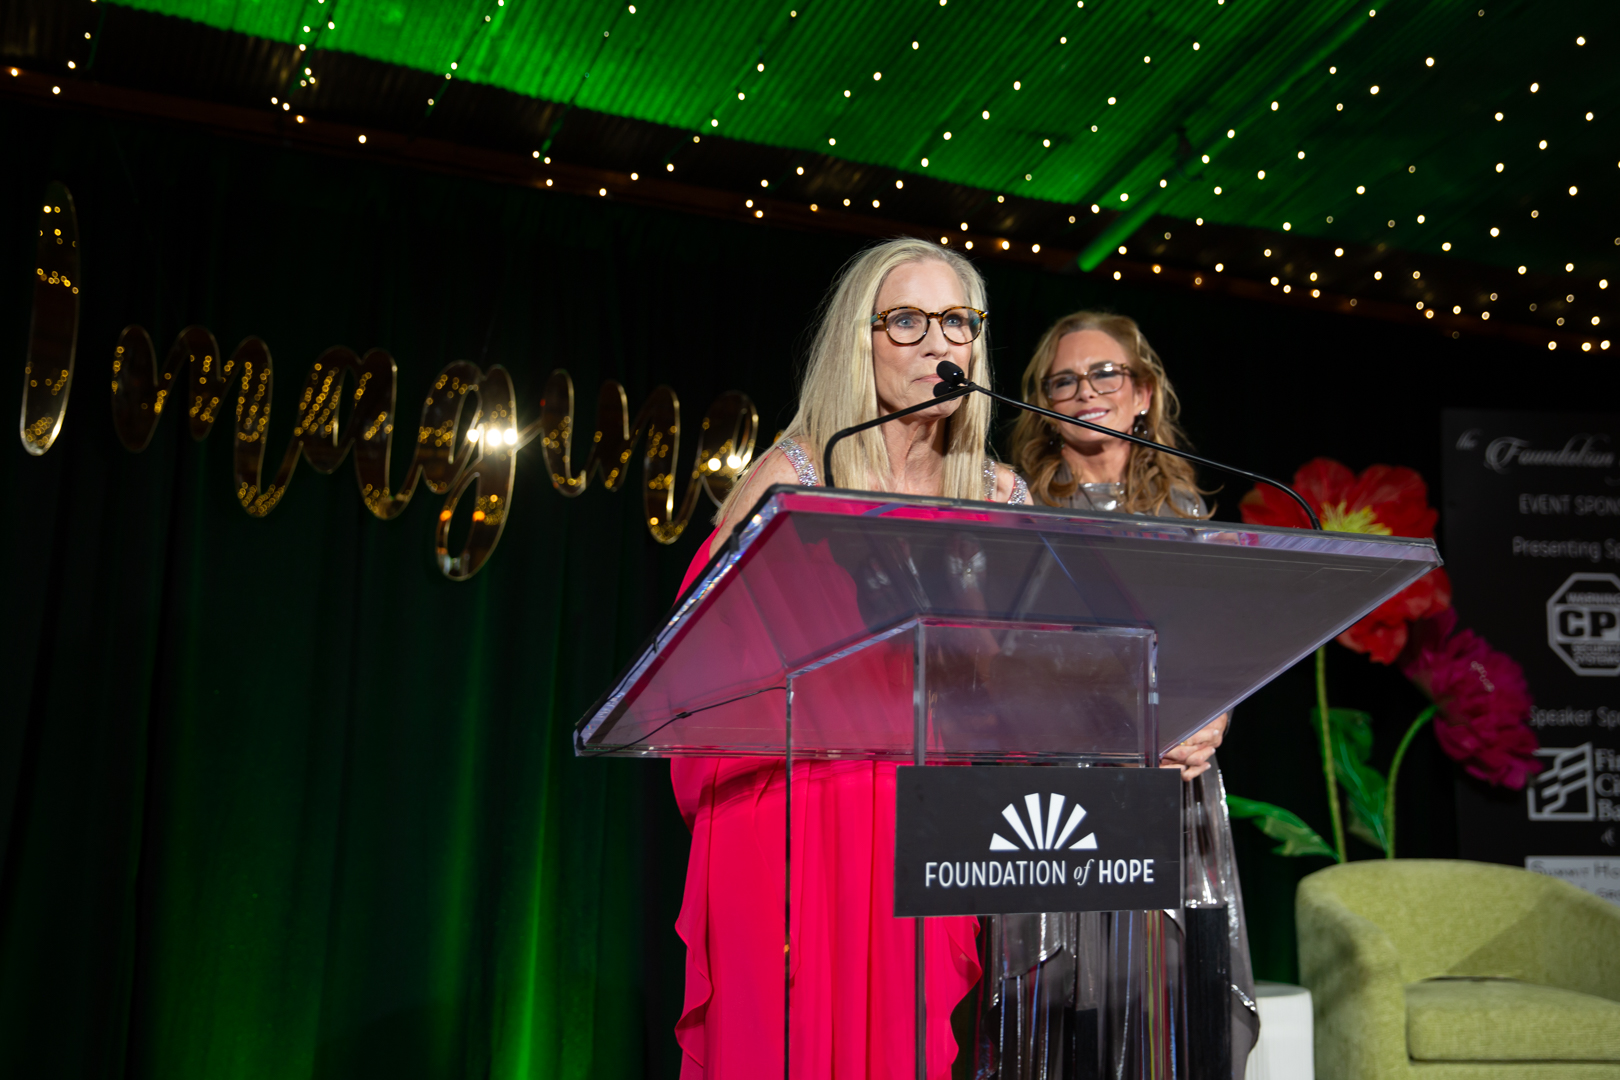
(1054,440)
(1140,427)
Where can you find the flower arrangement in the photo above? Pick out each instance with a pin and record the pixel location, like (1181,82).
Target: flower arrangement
(1477,696)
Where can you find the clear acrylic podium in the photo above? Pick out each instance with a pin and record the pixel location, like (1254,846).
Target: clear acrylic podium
(841,624)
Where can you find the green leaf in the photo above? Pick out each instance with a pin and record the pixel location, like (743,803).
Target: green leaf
(1297,837)
(1364,786)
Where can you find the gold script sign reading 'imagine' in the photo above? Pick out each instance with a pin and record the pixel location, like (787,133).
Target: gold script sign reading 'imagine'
(467,435)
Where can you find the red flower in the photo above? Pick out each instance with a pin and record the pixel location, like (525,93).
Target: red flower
(1483,700)
(1385,501)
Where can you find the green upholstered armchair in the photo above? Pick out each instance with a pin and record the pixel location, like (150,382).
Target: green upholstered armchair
(1458,970)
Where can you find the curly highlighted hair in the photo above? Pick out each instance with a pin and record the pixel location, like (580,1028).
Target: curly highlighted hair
(1151,477)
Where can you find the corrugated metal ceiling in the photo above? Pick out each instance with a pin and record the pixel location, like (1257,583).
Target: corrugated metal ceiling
(1149,78)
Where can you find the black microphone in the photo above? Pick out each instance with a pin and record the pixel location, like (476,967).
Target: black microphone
(954,382)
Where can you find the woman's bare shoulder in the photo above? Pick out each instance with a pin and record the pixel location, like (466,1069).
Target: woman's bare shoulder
(773,468)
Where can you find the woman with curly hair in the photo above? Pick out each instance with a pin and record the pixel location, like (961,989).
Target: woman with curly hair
(1038,968)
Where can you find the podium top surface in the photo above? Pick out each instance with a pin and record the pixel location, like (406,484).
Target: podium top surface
(813,573)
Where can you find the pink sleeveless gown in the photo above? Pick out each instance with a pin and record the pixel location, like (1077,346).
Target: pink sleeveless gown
(852,977)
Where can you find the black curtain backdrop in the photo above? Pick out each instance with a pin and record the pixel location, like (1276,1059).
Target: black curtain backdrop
(279,800)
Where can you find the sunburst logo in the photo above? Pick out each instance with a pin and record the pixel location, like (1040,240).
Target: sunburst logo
(1037,837)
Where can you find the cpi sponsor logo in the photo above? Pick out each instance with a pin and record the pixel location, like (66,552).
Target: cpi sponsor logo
(1583,623)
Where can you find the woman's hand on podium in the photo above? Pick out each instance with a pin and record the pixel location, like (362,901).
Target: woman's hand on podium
(1192,755)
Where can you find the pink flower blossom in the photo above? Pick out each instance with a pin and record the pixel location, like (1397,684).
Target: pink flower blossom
(1482,697)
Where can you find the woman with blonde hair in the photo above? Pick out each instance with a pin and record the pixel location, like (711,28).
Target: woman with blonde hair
(895,311)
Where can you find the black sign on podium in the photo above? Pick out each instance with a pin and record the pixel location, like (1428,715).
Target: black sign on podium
(1029,838)
(858,625)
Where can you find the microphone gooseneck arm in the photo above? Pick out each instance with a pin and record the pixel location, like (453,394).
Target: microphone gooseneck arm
(941,393)
(954,380)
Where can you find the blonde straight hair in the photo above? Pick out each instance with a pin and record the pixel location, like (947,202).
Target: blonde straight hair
(838,389)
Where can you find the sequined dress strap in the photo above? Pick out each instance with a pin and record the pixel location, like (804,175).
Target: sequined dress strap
(802,465)
(1020,490)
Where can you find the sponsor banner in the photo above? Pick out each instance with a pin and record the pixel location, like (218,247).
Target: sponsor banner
(1532,533)
(988,840)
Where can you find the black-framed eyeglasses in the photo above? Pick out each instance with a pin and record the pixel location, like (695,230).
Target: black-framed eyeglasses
(909,325)
(1104,379)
